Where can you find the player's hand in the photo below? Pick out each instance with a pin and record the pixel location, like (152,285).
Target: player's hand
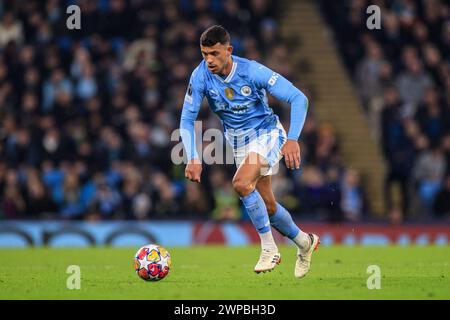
(291,153)
(193,170)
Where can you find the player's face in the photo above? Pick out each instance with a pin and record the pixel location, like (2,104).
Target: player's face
(217,57)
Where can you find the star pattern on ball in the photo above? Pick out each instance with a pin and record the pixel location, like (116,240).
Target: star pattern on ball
(143,263)
(166,261)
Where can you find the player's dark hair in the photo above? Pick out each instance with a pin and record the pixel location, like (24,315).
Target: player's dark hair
(213,35)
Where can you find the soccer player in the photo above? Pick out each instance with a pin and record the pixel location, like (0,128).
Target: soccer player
(236,91)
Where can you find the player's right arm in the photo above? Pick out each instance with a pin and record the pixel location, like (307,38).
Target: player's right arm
(284,90)
(191,106)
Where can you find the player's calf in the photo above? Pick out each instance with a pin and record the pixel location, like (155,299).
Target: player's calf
(306,243)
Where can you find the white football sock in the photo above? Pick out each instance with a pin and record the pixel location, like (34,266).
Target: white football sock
(302,240)
(267,241)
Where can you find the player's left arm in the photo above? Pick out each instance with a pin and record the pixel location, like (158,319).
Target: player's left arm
(284,90)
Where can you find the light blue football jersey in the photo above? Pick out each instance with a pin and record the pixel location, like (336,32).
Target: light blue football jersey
(240,101)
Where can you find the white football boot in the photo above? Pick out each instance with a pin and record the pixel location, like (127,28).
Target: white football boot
(268,260)
(303,263)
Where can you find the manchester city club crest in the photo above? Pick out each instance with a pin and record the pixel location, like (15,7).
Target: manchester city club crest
(229,93)
(246,91)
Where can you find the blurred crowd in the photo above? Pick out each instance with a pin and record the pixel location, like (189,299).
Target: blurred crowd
(87,115)
(402,73)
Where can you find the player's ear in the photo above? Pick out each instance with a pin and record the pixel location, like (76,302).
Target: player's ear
(230,49)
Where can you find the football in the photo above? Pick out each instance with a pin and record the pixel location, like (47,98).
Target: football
(152,262)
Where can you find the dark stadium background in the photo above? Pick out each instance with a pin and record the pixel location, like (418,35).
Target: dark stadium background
(86,117)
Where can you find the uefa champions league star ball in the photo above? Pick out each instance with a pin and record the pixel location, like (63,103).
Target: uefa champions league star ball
(152,262)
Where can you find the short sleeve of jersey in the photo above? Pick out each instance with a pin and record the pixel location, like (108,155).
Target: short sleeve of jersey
(195,92)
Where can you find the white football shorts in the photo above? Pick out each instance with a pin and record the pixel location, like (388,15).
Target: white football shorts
(267,144)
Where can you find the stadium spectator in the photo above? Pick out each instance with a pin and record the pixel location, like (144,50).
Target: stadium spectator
(13,204)
(136,204)
(36,196)
(431,116)
(106,201)
(412,96)
(313,191)
(429,173)
(10,30)
(352,202)
(412,84)
(368,72)
(68,197)
(225,199)
(194,203)
(441,204)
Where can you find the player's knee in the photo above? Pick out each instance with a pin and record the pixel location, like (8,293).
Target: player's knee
(242,187)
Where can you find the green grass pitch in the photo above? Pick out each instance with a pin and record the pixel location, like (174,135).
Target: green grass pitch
(227,273)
